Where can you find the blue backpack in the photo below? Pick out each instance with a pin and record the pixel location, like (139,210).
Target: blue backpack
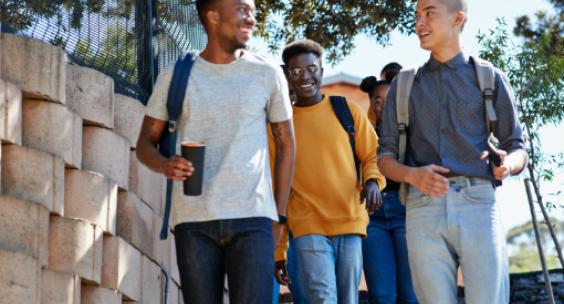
(167,145)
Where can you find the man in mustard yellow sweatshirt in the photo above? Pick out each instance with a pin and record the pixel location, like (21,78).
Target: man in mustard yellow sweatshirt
(325,215)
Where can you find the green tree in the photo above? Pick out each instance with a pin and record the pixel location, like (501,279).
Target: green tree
(116,53)
(535,73)
(333,23)
(546,28)
(527,260)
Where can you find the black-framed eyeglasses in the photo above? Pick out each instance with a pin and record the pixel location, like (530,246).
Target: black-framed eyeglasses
(299,72)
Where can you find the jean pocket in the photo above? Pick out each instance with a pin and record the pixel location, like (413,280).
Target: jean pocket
(416,198)
(483,193)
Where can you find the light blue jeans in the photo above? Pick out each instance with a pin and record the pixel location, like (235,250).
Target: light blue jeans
(330,267)
(462,228)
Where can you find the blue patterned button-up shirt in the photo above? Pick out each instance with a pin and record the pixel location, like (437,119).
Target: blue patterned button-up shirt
(447,123)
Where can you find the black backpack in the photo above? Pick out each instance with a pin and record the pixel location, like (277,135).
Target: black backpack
(343,113)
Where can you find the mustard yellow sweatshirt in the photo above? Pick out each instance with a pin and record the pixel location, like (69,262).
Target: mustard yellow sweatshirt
(325,189)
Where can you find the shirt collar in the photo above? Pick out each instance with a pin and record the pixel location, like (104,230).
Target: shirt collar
(433,64)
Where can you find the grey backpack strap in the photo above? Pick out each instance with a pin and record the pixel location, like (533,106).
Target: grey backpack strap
(403,91)
(405,82)
(486,80)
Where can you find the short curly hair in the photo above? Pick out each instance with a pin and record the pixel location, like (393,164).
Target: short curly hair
(299,47)
(203,6)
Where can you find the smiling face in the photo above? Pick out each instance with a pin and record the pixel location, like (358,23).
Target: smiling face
(305,75)
(436,26)
(235,20)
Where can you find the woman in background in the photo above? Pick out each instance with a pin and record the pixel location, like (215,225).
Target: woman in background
(384,250)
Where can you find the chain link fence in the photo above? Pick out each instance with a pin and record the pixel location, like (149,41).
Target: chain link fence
(129,40)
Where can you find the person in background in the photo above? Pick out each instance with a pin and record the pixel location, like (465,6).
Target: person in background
(326,214)
(384,250)
(388,72)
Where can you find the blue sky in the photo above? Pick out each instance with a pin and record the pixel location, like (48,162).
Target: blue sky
(368,58)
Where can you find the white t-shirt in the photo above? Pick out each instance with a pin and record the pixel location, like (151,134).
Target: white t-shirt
(227,106)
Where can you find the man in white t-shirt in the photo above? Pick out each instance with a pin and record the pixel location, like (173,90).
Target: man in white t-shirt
(231,96)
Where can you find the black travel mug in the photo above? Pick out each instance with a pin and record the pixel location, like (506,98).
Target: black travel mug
(194,152)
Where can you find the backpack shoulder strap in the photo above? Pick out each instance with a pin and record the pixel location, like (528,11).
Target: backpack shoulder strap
(403,91)
(344,115)
(178,85)
(486,81)
(167,146)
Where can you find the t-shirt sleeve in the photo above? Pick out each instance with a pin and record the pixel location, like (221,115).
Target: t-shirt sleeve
(156,106)
(279,107)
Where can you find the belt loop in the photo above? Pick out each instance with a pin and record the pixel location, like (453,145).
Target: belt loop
(468,182)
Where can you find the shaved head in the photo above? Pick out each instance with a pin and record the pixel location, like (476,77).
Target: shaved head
(454,6)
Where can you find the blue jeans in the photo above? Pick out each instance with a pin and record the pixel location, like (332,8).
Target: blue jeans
(461,228)
(386,265)
(330,267)
(295,286)
(241,248)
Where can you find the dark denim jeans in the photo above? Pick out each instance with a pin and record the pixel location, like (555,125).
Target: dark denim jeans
(384,251)
(241,248)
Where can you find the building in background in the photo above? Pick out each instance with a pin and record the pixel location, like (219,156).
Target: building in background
(346,85)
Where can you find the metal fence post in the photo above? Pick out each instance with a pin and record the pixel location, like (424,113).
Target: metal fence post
(145,16)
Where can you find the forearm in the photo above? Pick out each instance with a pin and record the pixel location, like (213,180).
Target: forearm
(394,170)
(148,154)
(283,173)
(517,160)
(285,154)
(146,149)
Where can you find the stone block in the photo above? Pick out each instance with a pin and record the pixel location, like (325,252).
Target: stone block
(76,246)
(150,186)
(135,222)
(172,262)
(34,176)
(20,277)
(152,279)
(121,267)
(53,128)
(161,248)
(59,287)
(25,228)
(99,295)
(10,113)
(128,117)
(106,152)
(91,94)
(37,68)
(172,293)
(92,197)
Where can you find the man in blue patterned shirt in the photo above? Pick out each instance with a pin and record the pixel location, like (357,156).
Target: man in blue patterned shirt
(452,215)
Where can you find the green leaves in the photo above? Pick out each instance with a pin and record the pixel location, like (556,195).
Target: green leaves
(534,70)
(332,23)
